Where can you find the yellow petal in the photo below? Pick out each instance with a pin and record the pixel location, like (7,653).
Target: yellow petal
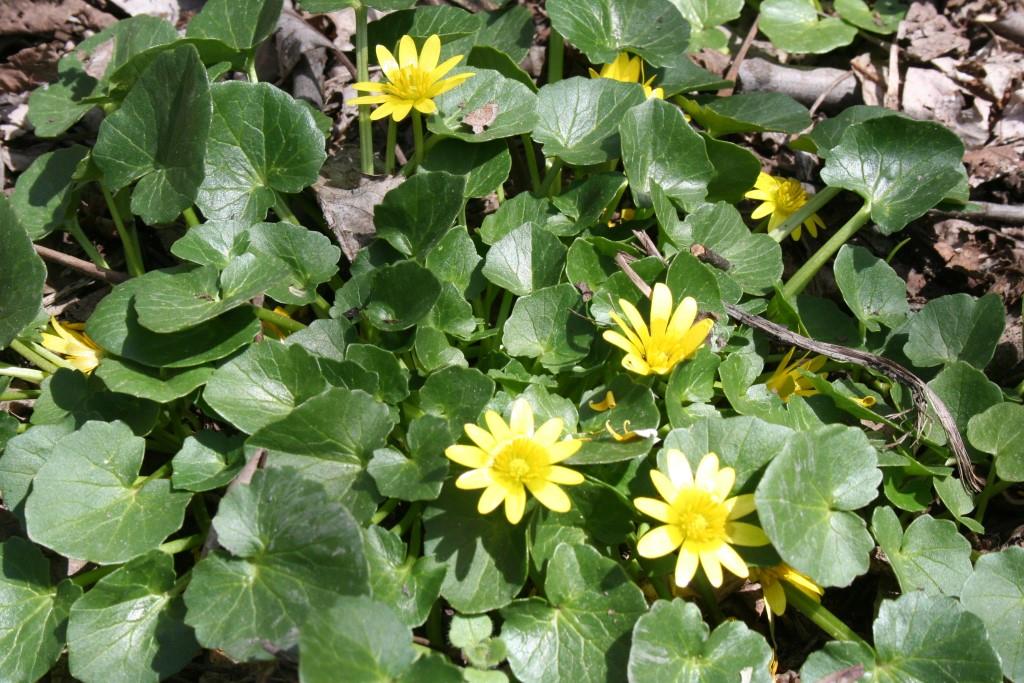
(407,52)
(474,479)
(664,486)
(774,597)
(491,498)
(481,437)
(731,560)
(445,66)
(616,339)
(383,111)
(740,506)
(724,481)
(712,567)
(707,470)
(402,110)
(635,363)
(683,317)
(607,403)
(636,321)
(686,567)
(758,194)
(497,426)
(636,342)
(659,541)
(387,61)
(679,471)
(425,106)
(447,84)
(564,476)
(766,182)
(431,52)
(549,431)
(515,504)
(522,418)
(694,338)
(741,533)
(370,99)
(561,450)
(54,343)
(368,86)
(652,507)
(661,309)
(802,583)
(467,456)
(550,495)
(763,210)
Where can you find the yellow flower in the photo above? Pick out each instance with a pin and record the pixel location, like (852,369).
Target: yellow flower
(510,458)
(73,344)
(672,337)
(629,70)
(413,80)
(699,519)
(782,197)
(787,379)
(771,588)
(606,404)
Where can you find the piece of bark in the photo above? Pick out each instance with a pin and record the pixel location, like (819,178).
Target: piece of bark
(802,84)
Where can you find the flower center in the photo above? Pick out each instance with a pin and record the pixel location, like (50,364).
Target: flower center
(699,516)
(790,196)
(412,82)
(520,459)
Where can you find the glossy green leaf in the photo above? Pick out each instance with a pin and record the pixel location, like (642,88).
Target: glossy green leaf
(85,498)
(393,376)
(362,637)
(456,394)
(600,515)
(70,395)
(420,475)
(415,215)
(402,294)
(261,142)
(966,392)
(207,460)
(1000,431)
(525,260)
(794,26)
(22,457)
(586,201)
(513,103)
(580,633)
(316,6)
(33,612)
(653,29)
(523,208)
(807,499)
(55,107)
(214,243)
(157,137)
(242,25)
(162,386)
(22,277)
(672,644)
(447,22)
(748,113)
(484,556)
(955,327)
(828,132)
(705,16)
(435,352)
(736,170)
(289,550)
(310,257)
(408,587)
(543,326)
(486,166)
(454,258)
(900,167)
(687,276)
(882,16)
(930,555)
(871,288)
(995,593)
(472,635)
(578,118)
(129,627)
(681,75)
(43,193)
(659,147)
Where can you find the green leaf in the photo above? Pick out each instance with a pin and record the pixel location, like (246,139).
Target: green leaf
(290,549)
(157,136)
(751,112)
(22,277)
(129,626)
(705,16)
(600,515)
(261,142)
(357,635)
(241,25)
(871,288)
(415,215)
(55,107)
(807,498)
(114,325)
(263,384)
(659,147)
(578,118)
(680,74)
(918,637)
(754,259)
(515,107)
(449,23)
(402,295)
(310,257)
(995,593)
(214,243)
(454,258)
(653,29)
(86,502)
(966,392)
(33,612)
(207,461)
(419,476)
(955,327)
(435,352)
(671,643)
(408,587)
(486,166)
(472,635)
(794,26)
(736,170)
(581,633)
(634,403)
(456,394)
(43,192)
(204,293)
(900,167)
(393,376)
(453,314)
(140,381)
(22,457)
(883,16)
(523,208)
(691,382)
(828,132)
(930,555)
(71,394)
(525,260)
(1000,431)
(484,555)
(317,6)
(543,326)
(687,276)
(586,201)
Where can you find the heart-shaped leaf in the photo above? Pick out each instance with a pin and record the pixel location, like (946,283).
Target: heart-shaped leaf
(240,24)
(995,592)
(653,29)
(955,327)
(486,166)
(543,325)
(310,257)
(525,260)
(871,288)
(420,475)
(513,104)
(1000,431)
(415,215)
(930,556)
(21,278)
(43,192)
(162,386)
(794,26)
(882,16)
(750,112)
(705,16)
(410,588)
(208,460)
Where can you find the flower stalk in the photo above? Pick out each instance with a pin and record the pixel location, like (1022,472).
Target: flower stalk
(556,56)
(32,357)
(282,321)
(363,74)
(821,616)
(75,230)
(802,277)
(795,220)
(132,253)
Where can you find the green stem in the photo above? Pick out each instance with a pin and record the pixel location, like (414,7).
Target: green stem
(250,67)
(363,75)
(93,575)
(531,163)
(993,488)
(26,374)
(663,586)
(32,357)
(417,138)
(503,310)
(389,151)
(811,267)
(157,474)
(462,215)
(50,356)
(823,619)
(411,516)
(819,200)
(19,394)
(384,510)
(282,321)
(190,217)
(707,594)
(415,542)
(132,255)
(435,627)
(321,307)
(180,545)
(556,56)
(88,247)
(283,211)
(550,176)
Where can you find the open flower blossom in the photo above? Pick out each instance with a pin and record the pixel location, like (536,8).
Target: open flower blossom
(781,198)
(699,519)
(788,380)
(414,80)
(629,70)
(510,458)
(70,342)
(672,337)
(770,579)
